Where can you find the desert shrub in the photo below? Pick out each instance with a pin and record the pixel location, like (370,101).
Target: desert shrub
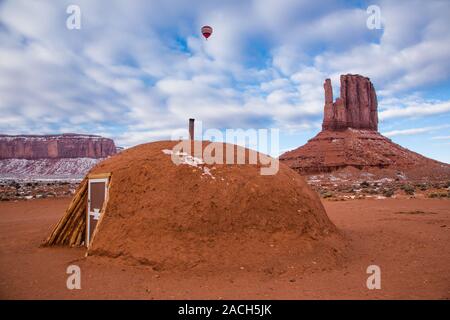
(388,193)
(438,195)
(364,184)
(440,185)
(409,189)
(372,191)
(327,195)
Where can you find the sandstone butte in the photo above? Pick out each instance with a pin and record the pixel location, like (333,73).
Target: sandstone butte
(55,146)
(350,139)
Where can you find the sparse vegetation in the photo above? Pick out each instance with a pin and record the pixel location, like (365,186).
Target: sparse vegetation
(423,187)
(387,188)
(25,190)
(364,184)
(415,212)
(409,189)
(439,195)
(327,195)
(388,193)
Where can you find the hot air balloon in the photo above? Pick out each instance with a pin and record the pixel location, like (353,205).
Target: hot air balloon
(207,31)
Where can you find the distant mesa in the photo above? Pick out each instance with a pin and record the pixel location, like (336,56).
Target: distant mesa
(61,156)
(350,138)
(67,145)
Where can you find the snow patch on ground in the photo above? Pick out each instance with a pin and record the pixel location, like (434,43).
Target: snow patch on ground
(207,171)
(333,178)
(401,175)
(384,180)
(41,169)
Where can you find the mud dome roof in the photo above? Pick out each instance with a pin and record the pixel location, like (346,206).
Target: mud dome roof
(194,215)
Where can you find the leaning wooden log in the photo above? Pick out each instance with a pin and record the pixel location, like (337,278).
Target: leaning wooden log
(77,227)
(76,214)
(60,234)
(76,232)
(68,214)
(71,228)
(64,229)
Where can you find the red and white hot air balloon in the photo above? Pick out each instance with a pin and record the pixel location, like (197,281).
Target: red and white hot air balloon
(207,31)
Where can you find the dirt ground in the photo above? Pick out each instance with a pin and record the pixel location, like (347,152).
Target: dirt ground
(407,238)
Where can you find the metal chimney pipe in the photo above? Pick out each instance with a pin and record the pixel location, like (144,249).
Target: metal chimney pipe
(191,129)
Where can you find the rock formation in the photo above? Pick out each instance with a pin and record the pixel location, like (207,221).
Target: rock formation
(64,157)
(55,146)
(355,108)
(350,138)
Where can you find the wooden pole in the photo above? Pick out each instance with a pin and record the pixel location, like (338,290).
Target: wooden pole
(62,230)
(191,129)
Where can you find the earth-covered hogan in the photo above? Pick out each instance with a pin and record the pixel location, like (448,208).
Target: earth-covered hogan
(198,215)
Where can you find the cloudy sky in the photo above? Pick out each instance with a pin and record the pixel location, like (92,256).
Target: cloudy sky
(137,70)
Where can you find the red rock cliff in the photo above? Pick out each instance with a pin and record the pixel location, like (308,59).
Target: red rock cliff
(355,108)
(55,146)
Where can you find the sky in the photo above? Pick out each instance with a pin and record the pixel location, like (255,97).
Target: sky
(136,71)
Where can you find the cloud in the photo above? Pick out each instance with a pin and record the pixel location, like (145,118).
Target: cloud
(136,71)
(418,109)
(412,131)
(441,138)
(411,51)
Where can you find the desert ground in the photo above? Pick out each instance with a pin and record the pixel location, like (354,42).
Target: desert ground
(407,238)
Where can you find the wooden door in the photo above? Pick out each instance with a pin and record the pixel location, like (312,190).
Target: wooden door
(97,191)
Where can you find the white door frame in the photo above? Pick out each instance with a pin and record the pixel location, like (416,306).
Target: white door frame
(89,213)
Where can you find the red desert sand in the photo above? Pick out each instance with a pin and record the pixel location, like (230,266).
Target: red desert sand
(223,231)
(407,238)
